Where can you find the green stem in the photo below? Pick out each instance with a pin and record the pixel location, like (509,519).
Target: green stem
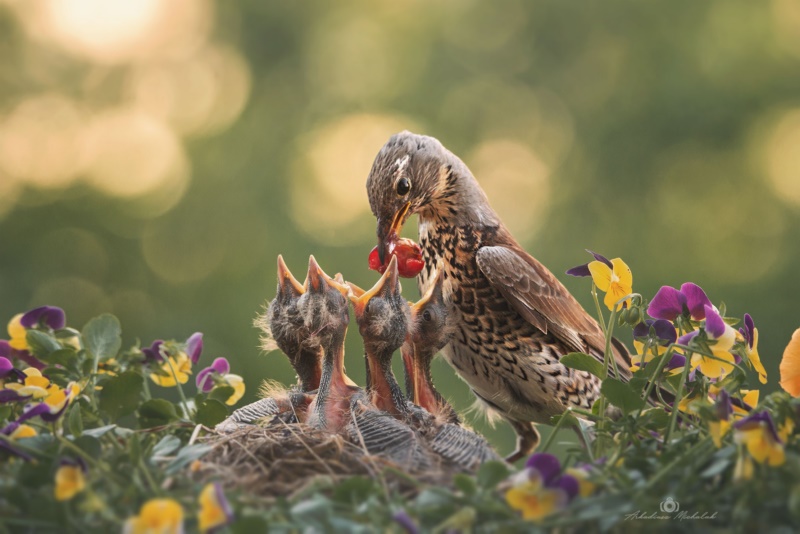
(667,356)
(677,402)
(185,403)
(600,317)
(678,461)
(149,477)
(552,435)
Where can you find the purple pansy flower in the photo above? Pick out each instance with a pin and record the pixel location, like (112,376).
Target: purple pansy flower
(194,347)
(758,419)
(6,367)
(748,331)
(663,331)
(205,378)
(583,270)
(402,518)
(669,303)
(153,352)
(723,406)
(7,351)
(9,447)
(52,316)
(547,469)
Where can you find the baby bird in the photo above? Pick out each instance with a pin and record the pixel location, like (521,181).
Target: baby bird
(443,431)
(428,335)
(284,328)
(325,311)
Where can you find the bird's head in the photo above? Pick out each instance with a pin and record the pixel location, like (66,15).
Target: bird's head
(383,316)
(429,315)
(324,304)
(410,174)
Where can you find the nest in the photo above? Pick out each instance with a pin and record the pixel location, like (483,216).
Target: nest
(287,460)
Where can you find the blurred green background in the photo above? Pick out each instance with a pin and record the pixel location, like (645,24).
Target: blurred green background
(155,157)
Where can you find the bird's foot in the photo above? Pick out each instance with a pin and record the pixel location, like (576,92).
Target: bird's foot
(528,439)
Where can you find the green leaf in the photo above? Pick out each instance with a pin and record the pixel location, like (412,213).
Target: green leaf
(74,420)
(466,484)
(353,490)
(187,455)
(41,344)
(210,412)
(621,395)
(221,393)
(490,474)
(102,337)
(250,524)
(121,394)
(583,362)
(134,448)
(166,446)
(67,357)
(99,431)
(157,412)
(90,445)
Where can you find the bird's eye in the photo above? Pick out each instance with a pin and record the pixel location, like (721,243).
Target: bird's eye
(403,186)
(426,316)
(368,307)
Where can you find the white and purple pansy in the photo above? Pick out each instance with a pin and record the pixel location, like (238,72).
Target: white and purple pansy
(207,378)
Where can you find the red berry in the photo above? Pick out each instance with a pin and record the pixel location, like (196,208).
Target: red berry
(409,258)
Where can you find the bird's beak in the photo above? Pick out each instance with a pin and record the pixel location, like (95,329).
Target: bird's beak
(316,278)
(387,233)
(388,285)
(408,353)
(286,280)
(434,295)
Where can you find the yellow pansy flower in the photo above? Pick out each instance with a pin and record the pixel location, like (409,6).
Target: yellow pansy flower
(157,516)
(69,481)
(17,333)
(214,508)
(182,366)
(237,383)
(616,281)
(757,433)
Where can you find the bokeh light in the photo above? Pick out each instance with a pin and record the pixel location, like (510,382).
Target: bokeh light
(782,155)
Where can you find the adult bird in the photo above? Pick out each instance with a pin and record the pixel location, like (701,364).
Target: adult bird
(513,319)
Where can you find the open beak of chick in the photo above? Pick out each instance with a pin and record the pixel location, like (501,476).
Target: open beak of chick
(411,351)
(387,286)
(287,283)
(317,281)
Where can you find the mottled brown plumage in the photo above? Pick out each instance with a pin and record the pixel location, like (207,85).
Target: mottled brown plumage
(512,319)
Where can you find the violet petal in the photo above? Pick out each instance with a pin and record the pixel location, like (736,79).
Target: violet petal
(715,326)
(194,346)
(5,366)
(749,329)
(686,338)
(204,380)
(580,270)
(696,300)
(153,352)
(678,361)
(545,464)
(568,484)
(757,419)
(402,518)
(221,366)
(723,405)
(5,348)
(601,258)
(9,395)
(51,316)
(667,304)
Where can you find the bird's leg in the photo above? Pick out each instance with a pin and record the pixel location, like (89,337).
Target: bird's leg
(528,439)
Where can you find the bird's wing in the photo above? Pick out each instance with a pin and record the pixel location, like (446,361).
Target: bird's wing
(543,301)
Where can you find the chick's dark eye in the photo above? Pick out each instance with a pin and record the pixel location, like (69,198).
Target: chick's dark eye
(426,316)
(403,186)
